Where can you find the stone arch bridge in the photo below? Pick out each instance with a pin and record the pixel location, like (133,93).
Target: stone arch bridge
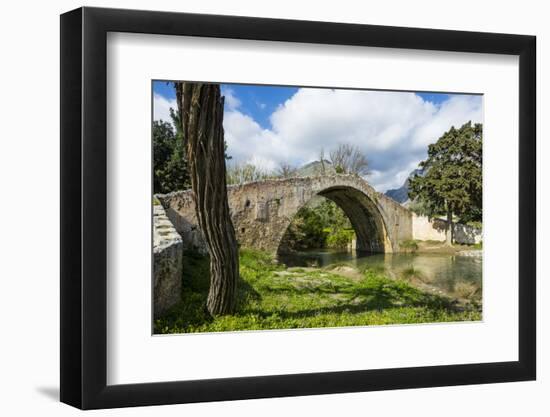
(263,210)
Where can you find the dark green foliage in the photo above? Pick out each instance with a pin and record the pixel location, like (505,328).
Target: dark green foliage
(170,172)
(169,164)
(452,183)
(419,207)
(339,237)
(306,230)
(336,225)
(409,245)
(339,169)
(321,226)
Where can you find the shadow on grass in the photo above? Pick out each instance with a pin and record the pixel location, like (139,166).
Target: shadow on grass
(374,293)
(191,310)
(376,298)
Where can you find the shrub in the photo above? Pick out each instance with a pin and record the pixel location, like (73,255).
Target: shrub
(409,245)
(340,238)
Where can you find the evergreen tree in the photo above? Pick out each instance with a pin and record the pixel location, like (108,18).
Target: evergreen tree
(169,164)
(452,183)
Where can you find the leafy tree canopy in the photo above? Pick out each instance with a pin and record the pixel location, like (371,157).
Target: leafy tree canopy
(170,168)
(169,164)
(322,225)
(452,180)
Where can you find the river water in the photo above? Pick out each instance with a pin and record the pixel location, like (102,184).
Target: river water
(455,276)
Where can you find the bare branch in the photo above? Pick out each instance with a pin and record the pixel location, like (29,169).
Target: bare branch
(348,159)
(286,170)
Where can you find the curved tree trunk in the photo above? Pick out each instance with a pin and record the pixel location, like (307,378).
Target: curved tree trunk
(202,119)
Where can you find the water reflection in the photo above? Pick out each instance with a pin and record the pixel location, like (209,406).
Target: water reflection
(457,276)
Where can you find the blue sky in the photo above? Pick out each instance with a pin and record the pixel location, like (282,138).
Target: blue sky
(270,125)
(259,101)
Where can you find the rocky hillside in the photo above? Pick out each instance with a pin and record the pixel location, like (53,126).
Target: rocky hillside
(401,194)
(316,168)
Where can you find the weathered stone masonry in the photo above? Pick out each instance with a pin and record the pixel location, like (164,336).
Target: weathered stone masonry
(167,268)
(262,211)
(435,229)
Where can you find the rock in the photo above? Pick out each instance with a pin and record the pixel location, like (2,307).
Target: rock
(401,194)
(167,262)
(471,253)
(348,272)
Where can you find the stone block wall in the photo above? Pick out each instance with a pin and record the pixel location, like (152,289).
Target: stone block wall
(434,229)
(167,262)
(467,234)
(426,229)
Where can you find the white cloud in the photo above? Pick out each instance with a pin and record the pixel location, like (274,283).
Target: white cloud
(231,101)
(393,129)
(453,112)
(161,105)
(248,142)
(161,108)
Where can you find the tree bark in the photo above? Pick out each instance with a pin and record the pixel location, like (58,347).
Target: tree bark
(202,119)
(449,231)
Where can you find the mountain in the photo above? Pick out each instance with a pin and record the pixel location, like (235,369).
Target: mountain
(316,168)
(401,194)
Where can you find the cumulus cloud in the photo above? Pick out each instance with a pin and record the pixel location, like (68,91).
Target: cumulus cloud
(248,142)
(231,101)
(392,129)
(162,105)
(161,108)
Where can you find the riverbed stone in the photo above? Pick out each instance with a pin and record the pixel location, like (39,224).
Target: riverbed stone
(470,253)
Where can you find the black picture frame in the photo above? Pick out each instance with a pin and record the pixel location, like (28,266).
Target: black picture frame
(84,207)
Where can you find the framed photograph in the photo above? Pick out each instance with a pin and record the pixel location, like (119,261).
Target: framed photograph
(257,208)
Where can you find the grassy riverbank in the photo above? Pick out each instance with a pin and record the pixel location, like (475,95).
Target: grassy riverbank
(272,296)
(436,247)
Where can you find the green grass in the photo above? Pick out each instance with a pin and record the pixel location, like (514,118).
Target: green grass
(477,225)
(271,296)
(411,272)
(433,242)
(408,245)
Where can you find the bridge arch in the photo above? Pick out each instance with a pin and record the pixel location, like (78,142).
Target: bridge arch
(262,211)
(365,218)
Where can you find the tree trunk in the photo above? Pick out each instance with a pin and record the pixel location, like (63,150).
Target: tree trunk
(449,230)
(179,101)
(202,120)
